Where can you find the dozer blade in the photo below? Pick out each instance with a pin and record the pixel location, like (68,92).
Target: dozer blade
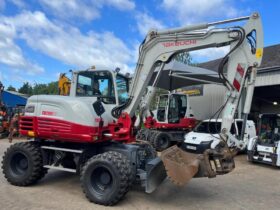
(180,166)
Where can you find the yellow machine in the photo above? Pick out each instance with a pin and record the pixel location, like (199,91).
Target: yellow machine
(64,84)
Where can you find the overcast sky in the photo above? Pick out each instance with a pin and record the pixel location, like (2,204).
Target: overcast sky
(40,38)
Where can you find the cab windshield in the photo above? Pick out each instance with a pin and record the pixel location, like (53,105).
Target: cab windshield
(213,127)
(270,128)
(96,83)
(208,127)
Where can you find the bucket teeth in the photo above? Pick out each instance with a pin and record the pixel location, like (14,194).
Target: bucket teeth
(180,166)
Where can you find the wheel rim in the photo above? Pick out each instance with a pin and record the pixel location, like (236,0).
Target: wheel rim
(163,142)
(101,180)
(19,164)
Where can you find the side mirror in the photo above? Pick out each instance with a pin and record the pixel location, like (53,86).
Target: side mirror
(98,108)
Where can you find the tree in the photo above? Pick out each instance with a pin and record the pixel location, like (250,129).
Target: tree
(53,88)
(183,57)
(26,89)
(40,89)
(11,88)
(50,88)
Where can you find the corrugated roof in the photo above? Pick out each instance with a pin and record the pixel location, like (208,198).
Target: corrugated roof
(17,93)
(271,59)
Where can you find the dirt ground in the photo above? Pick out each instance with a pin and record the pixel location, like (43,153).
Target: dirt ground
(249,186)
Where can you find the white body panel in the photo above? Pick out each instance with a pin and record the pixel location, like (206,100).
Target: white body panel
(68,108)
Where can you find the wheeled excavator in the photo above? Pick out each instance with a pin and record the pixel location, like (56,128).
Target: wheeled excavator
(168,124)
(92,134)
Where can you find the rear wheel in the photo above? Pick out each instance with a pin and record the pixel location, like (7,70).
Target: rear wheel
(152,136)
(161,141)
(106,178)
(22,164)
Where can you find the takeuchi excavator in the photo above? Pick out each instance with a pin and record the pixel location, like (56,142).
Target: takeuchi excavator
(168,124)
(91,132)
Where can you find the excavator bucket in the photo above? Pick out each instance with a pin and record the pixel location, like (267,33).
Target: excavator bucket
(180,166)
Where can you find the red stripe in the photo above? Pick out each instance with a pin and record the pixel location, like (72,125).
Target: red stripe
(240,70)
(236,84)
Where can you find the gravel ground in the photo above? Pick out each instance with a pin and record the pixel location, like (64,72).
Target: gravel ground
(249,186)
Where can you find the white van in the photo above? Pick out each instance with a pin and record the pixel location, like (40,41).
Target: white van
(207,131)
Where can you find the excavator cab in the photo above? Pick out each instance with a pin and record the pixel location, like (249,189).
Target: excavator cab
(177,107)
(110,87)
(171,108)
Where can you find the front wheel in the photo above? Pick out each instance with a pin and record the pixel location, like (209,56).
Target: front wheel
(106,178)
(22,164)
(162,141)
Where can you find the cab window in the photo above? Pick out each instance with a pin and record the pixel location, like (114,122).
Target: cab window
(208,127)
(162,102)
(122,88)
(98,83)
(177,108)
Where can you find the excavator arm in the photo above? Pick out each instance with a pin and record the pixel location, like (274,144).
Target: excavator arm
(237,70)
(160,46)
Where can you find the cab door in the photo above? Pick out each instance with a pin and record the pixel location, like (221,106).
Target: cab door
(162,108)
(177,107)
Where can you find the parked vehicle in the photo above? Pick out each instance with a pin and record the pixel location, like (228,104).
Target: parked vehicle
(208,130)
(264,148)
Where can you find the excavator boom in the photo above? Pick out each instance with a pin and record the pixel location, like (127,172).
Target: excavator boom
(215,158)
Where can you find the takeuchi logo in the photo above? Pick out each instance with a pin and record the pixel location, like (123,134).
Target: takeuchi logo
(179,43)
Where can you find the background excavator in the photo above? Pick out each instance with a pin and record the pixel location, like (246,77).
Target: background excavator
(169,122)
(91,132)
(173,116)
(64,84)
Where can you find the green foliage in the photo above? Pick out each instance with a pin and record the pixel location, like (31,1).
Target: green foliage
(49,89)
(26,89)
(11,88)
(183,57)
(38,89)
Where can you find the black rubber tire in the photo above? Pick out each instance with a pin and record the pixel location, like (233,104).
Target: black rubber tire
(141,134)
(152,135)
(22,164)
(116,169)
(161,141)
